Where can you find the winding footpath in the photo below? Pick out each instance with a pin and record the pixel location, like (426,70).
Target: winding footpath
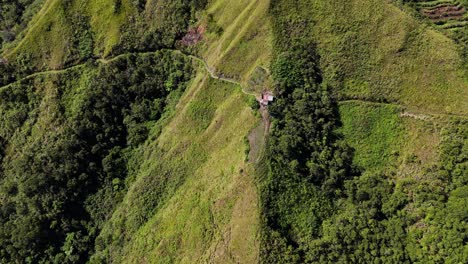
(213,75)
(36,74)
(107,61)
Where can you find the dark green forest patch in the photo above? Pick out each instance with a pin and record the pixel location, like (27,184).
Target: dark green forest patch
(323,202)
(66,140)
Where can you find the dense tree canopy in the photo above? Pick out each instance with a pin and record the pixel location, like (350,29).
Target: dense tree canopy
(319,208)
(74,155)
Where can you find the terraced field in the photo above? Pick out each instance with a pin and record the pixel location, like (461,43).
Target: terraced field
(449,15)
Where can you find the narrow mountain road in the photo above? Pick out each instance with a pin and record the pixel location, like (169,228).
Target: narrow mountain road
(44,73)
(107,61)
(213,75)
(420,116)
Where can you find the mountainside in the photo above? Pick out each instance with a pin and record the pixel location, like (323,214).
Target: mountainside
(140,132)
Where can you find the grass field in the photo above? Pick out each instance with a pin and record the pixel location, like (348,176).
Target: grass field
(388,141)
(375,131)
(245,41)
(49,41)
(196,179)
(380,53)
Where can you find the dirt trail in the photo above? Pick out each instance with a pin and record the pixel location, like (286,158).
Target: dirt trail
(263,110)
(218,77)
(266,118)
(254,140)
(44,73)
(107,61)
(426,116)
(415,116)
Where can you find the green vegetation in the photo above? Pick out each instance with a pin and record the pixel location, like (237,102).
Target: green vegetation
(373,50)
(416,220)
(66,139)
(14,17)
(388,206)
(307,161)
(245,42)
(70,32)
(185,204)
(450,17)
(129,133)
(375,131)
(110,114)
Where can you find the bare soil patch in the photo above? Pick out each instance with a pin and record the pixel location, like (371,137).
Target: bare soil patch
(193,36)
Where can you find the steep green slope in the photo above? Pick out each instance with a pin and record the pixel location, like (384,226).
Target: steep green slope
(375,51)
(387,205)
(192,199)
(70,32)
(66,138)
(117,146)
(14,18)
(416,213)
(209,209)
(245,41)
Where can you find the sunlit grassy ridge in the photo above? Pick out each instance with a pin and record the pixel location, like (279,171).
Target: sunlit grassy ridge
(213,216)
(106,20)
(63,30)
(245,41)
(379,52)
(44,28)
(65,33)
(192,200)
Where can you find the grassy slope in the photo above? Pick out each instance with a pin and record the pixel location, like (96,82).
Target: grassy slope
(375,131)
(209,210)
(387,142)
(213,216)
(373,51)
(47,40)
(246,39)
(44,37)
(106,23)
(406,150)
(380,52)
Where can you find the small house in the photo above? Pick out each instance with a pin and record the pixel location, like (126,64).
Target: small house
(266,98)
